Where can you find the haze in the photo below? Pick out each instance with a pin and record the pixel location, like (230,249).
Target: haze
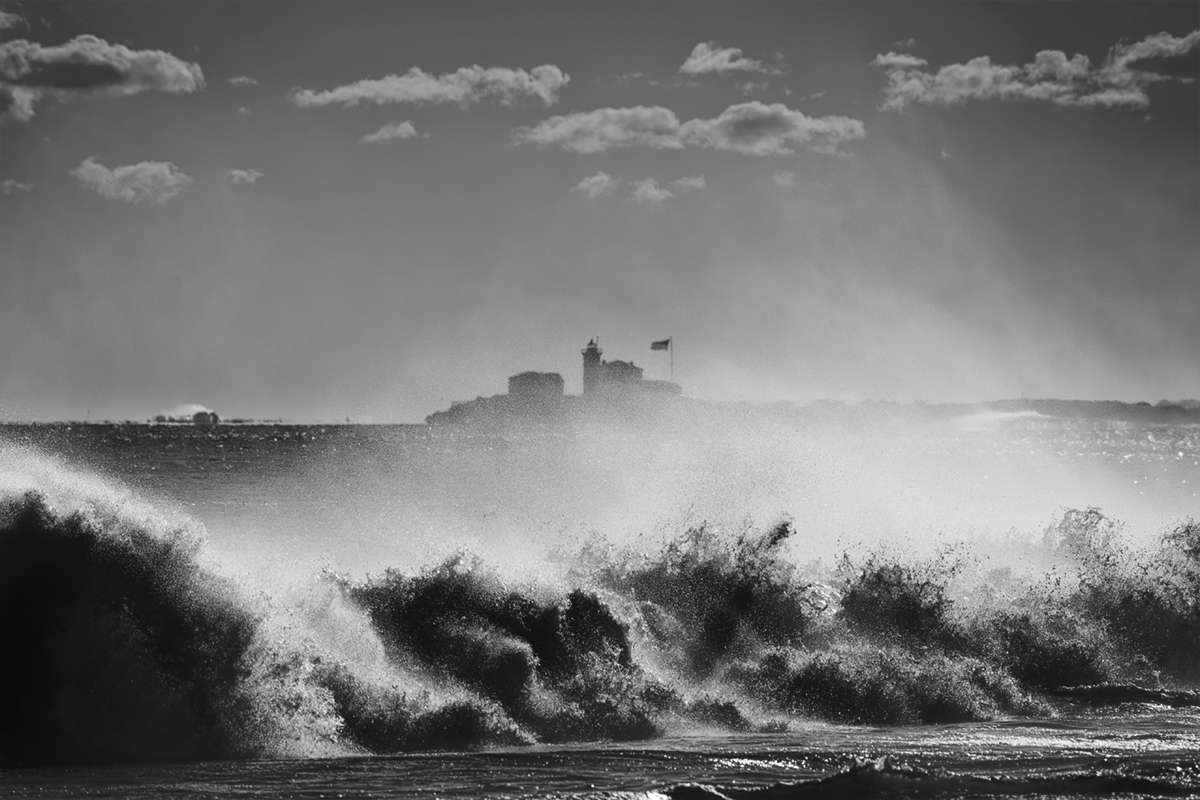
(326,210)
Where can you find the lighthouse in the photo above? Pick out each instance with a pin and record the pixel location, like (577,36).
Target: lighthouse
(592,367)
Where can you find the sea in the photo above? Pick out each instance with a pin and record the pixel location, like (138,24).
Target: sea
(749,602)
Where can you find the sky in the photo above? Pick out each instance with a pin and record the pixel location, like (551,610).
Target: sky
(318,211)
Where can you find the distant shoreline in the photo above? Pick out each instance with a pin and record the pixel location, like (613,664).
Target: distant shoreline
(1185,411)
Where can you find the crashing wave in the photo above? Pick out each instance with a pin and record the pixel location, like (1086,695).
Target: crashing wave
(121,644)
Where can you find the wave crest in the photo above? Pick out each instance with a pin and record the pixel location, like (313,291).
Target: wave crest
(120,644)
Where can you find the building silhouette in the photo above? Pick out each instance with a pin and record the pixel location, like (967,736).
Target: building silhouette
(536,385)
(605,376)
(540,395)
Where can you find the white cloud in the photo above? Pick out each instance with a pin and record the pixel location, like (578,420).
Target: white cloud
(17,102)
(784,178)
(391,131)
(605,128)
(248,176)
(901,60)
(758,129)
(674,82)
(647,190)
(10,20)
(1120,82)
(752,128)
(599,185)
(1160,45)
(750,87)
(242,80)
(707,58)
(465,86)
(12,186)
(147,181)
(86,65)
(1130,97)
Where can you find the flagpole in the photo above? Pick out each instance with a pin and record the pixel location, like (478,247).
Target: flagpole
(670,348)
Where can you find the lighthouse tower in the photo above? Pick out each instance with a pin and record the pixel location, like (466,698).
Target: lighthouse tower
(592,368)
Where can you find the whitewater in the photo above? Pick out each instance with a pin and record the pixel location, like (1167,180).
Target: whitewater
(756,603)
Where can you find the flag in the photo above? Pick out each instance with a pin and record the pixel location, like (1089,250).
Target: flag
(663,345)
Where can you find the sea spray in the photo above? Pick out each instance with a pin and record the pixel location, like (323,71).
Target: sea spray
(122,642)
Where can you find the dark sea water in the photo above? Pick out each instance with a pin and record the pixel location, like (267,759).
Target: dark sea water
(753,607)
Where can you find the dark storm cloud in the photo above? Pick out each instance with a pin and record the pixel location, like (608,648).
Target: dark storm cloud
(464,87)
(1120,82)
(86,65)
(751,128)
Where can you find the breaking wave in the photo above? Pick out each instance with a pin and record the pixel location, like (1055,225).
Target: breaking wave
(122,642)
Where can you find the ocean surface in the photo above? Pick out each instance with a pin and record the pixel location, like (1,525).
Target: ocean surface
(754,604)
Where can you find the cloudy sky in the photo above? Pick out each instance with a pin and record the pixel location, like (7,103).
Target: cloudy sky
(327,210)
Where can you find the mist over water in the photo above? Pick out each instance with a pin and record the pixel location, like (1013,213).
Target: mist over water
(409,498)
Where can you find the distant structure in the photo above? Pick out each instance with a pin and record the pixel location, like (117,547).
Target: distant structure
(618,389)
(540,395)
(593,367)
(601,376)
(536,385)
(195,414)
(535,391)
(205,419)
